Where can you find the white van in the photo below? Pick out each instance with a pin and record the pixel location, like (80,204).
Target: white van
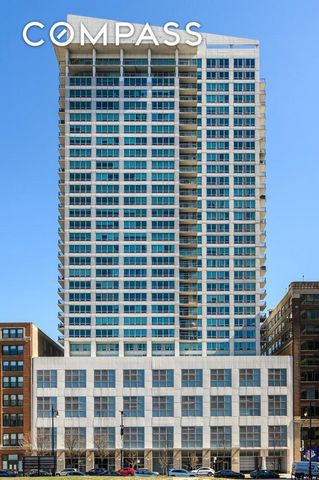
(300,470)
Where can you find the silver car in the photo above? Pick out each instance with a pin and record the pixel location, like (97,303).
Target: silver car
(180,472)
(204,471)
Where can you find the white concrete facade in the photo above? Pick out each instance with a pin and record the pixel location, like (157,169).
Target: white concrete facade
(238,455)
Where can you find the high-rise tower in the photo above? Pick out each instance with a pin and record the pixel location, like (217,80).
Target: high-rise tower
(162,225)
(162,196)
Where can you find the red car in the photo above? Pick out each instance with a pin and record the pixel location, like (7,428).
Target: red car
(126,471)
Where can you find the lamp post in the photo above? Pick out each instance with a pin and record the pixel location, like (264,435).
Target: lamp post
(310,438)
(122,435)
(54,414)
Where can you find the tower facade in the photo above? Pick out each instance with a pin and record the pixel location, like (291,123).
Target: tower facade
(162,196)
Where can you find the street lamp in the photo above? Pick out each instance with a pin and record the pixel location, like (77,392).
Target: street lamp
(54,414)
(122,434)
(310,438)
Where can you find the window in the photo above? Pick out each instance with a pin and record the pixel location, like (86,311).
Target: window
(277,405)
(249,436)
(163,437)
(44,438)
(163,406)
(47,379)
(12,349)
(277,377)
(192,437)
(45,405)
(133,378)
(12,333)
(249,377)
(104,378)
(75,438)
(80,349)
(221,437)
(249,405)
(192,378)
(12,365)
(220,377)
(104,437)
(12,419)
(12,439)
(104,406)
(133,437)
(75,406)
(12,382)
(192,406)
(75,378)
(133,406)
(221,405)
(14,400)
(277,436)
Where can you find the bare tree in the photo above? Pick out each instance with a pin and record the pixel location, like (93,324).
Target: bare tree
(28,445)
(132,459)
(73,448)
(101,449)
(192,460)
(43,443)
(164,460)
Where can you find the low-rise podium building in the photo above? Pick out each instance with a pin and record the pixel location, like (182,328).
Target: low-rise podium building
(227,412)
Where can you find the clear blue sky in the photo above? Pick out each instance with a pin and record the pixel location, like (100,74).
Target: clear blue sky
(288,32)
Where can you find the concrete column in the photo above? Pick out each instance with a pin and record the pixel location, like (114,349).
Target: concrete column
(67,62)
(177,459)
(89,460)
(117,459)
(148,459)
(121,62)
(206,457)
(94,62)
(149,59)
(176,60)
(263,454)
(235,459)
(60,463)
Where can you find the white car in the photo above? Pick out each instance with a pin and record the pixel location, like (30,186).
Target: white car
(204,471)
(62,473)
(180,472)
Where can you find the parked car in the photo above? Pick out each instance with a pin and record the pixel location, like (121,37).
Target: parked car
(145,472)
(228,474)
(301,469)
(204,471)
(264,474)
(96,471)
(39,473)
(63,472)
(76,473)
(180,472)
(126,471)
(7,473)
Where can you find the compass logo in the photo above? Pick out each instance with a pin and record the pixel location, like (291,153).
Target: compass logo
(62,34)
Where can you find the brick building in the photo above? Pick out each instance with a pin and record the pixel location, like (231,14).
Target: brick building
(292,328)
(19,343)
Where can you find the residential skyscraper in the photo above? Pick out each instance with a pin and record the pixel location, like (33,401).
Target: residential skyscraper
(162,196)
(162,225)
